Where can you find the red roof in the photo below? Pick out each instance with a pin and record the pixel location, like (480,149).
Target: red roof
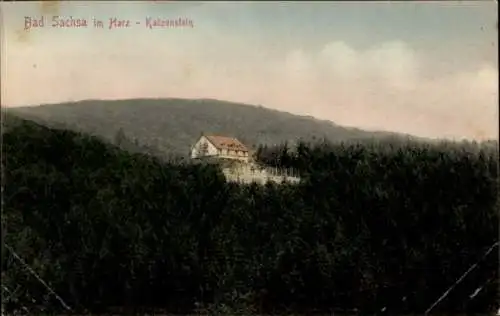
(223,142)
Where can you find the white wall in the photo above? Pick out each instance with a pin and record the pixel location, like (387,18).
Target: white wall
(247,174)
(211,150)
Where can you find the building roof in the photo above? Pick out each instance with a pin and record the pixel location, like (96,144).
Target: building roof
(223,142)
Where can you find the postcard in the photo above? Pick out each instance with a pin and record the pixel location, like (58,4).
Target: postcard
(257,158)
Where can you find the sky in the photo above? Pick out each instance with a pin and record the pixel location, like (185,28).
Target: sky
(424,68)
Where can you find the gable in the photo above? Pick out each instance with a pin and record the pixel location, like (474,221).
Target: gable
(203,147)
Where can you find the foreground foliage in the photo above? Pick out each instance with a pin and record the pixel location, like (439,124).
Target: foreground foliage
(371,226)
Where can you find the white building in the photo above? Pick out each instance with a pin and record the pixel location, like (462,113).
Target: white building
(236,162)
(220,147)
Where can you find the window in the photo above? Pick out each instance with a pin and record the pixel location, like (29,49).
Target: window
(203,149)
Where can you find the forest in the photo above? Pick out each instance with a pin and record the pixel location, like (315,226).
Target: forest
(374,227)
(169,126)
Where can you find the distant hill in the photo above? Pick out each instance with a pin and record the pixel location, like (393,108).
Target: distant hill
(172,125)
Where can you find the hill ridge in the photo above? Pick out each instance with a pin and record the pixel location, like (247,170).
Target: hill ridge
(172,124)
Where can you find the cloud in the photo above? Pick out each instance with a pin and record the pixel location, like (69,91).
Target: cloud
(380,87)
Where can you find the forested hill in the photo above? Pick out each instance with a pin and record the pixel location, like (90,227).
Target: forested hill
(172,125)
(370,228)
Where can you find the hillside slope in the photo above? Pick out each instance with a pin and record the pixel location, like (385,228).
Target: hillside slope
(370,227)
(172,125)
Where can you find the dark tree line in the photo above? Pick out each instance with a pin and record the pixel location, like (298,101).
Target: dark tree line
(372,225)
